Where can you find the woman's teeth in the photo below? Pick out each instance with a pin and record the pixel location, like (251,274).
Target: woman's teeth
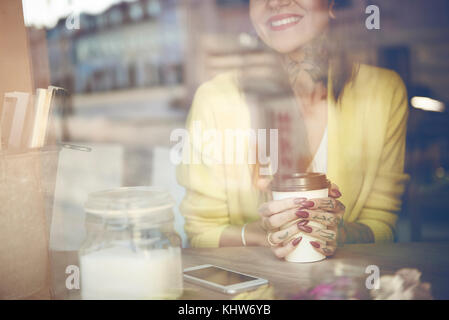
(284,21)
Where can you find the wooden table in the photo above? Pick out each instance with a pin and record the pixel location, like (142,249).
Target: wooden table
(285,278)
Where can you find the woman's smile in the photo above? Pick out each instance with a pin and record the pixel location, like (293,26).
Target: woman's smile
(285,26)
(283,21)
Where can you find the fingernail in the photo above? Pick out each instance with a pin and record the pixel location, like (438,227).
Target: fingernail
(302,214)
(305,228)
(308,204)
(299,200)
(337,193)
(296,241)
(302,223)
(315,244)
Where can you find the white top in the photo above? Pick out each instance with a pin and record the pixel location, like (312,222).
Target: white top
(319,162)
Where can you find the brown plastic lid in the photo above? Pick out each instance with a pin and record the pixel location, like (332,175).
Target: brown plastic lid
(300,182)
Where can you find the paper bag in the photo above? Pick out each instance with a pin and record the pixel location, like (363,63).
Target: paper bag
(27,182)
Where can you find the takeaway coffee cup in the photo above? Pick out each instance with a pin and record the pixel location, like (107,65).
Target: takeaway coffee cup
(302,185)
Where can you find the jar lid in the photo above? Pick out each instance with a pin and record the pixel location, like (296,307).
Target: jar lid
(130,203)
(300,182)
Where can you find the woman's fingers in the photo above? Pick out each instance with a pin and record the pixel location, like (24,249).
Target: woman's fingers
(321,233)
(282,251)
(267,209)
(275,214)
(302,226)
(281,219)
(327,250)
(334,191)
(320,216)
(283,235)
(327,204)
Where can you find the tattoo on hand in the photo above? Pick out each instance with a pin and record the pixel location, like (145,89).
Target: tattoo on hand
(341,206)
(334,220)
(321,218)
(328,204)
(283,237)
(327,234)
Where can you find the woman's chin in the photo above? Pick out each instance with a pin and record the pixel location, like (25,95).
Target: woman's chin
(284,47)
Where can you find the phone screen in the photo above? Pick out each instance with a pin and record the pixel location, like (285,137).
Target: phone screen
(219,276)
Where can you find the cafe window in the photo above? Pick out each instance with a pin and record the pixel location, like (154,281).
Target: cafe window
(103,94)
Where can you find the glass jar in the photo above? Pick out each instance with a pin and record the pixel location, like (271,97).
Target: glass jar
(131,250)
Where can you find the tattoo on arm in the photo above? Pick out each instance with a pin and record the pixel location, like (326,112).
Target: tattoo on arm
(357,233)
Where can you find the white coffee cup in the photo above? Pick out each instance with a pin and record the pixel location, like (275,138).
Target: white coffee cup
(309,186)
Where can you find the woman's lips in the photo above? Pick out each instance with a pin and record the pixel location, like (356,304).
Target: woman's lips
(283,21)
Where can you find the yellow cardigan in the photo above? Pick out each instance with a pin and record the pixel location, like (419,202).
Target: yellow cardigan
(366,147)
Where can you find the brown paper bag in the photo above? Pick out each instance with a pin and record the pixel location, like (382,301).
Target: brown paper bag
(27,183)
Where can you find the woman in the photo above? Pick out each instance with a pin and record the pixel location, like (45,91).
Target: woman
(359,110)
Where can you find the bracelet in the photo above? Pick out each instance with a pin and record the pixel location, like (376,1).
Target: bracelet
(243,235)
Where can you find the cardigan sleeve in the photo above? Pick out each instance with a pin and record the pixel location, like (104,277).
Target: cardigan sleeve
(205,203)
(384,202)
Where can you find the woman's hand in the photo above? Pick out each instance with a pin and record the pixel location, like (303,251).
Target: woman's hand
(284,219)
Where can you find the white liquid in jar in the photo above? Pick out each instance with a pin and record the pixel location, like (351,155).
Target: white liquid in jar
(121,273)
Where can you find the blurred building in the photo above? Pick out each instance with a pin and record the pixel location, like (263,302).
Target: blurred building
(130,45)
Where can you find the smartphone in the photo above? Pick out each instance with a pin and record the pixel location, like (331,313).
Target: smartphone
(222,279)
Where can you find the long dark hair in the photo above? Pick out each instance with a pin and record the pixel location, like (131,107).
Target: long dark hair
(344,67)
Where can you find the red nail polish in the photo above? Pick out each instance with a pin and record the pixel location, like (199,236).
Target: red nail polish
(296,241)
(302,214)
(315,244)
(302,223)
(337,193)
(305,229)
(308,204)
